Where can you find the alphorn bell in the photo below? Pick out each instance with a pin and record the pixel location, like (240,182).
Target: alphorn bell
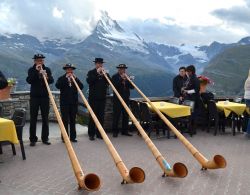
(135,174)
(91,181)
(179,169)
(217,162)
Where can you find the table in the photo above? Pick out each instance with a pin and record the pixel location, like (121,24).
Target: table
(236,109)
(172,110)
(8,131)
(228,107)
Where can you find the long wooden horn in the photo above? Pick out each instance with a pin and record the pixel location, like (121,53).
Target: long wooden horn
(179,169)
(217,162)
(136,174)
(91,181)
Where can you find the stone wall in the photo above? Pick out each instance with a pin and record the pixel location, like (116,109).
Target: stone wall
(20,99)
(108,117)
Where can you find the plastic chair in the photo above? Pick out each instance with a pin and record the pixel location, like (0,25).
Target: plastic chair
(174,100)
(149,120)
(213,115)
(19,118)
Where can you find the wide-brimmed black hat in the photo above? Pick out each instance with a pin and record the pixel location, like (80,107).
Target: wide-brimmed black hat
(122,66)
(69,65)
(99,60)
(37,56)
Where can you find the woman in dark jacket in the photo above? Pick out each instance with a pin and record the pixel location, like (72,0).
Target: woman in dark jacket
(192,85)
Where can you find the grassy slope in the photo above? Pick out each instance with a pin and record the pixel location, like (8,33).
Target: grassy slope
(229,70)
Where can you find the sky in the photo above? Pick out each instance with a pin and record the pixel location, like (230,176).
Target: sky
(195,22)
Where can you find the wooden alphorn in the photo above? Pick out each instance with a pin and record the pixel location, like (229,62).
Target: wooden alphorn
(135,174)
(91,181)
(217,162)
(179,169)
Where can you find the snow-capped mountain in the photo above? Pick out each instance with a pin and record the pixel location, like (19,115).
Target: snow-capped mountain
(115,38)
(117,45)
(183,55)
(113,35)
(108,40)
(244,41)
(153,64)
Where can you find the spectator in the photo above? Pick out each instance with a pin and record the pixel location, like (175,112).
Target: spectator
(191,88)
(247,100)
(204,93)
(178,83)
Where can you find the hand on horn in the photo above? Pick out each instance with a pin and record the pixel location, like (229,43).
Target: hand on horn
(70,75)
(43,72)
(99,70)
(38,67)
(102,71)
(123,76)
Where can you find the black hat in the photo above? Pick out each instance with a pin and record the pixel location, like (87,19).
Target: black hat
(69,65)
(37,56)
(122,66)
(99,60)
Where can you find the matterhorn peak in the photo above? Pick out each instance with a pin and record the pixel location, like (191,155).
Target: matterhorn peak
(106,25)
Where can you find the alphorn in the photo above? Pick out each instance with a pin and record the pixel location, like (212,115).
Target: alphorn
(89,182)
(217,162)
(135,174)
(179,169)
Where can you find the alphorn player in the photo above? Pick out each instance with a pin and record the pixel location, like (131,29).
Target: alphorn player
(69,99)
(123,86)
(98,86)
(39,98)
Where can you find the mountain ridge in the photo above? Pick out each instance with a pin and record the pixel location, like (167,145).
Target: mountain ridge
(153,64)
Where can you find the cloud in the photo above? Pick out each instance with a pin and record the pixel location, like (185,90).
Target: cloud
(175,23)
(171,33)
(240,15)
(236,18)
(57,13)
(54,19)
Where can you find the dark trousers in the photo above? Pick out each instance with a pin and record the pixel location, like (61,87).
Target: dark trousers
(247,101)
(119,110)
(68,113)
(35,104)
(98,106)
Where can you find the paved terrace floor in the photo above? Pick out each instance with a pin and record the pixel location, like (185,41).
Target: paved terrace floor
(47,169)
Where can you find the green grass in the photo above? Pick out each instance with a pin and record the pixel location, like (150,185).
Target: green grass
(229,70)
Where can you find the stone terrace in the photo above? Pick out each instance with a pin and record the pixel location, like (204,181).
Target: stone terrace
(47,169)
